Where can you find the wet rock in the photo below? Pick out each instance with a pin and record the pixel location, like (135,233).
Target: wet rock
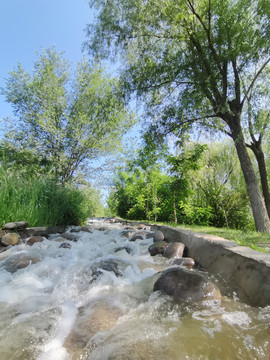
(137,237)
(126,248)
(69,236)
(17,225)
(157,248)
(186,285)
(107,265)
(75,230)
(34,239)
(184,261)
(87,229)
(158,236)
(10,239)
(149,235)
(16,262)
(126,233)
(175,249)
(102,317)
(65,245)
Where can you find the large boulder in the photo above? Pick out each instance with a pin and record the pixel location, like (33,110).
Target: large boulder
(10,239)
(186,285)
(174,250)
(157,248)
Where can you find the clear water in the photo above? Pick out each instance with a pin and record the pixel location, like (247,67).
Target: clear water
(53,310)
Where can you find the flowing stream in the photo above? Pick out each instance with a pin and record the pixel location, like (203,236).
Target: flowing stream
(69,305)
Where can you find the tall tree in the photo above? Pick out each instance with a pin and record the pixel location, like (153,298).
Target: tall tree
(188,59)
(64,121)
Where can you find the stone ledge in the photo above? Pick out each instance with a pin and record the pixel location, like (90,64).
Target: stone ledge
(247,270)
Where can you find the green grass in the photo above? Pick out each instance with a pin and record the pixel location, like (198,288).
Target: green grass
(40,201)
(254,240)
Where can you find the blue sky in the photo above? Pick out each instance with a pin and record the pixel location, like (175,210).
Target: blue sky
(28,25)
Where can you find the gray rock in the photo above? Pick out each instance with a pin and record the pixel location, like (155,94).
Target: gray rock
(65,245)
(16,262)
(186,285)
(158,236)
(157,248)
(137,237)
(16,225)
(175,249)
(10,239)
(126,248)
(107,265)
(69,236)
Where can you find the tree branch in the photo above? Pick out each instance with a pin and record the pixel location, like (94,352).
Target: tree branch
(254,80)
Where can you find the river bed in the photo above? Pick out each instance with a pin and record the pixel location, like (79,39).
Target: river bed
(56,309)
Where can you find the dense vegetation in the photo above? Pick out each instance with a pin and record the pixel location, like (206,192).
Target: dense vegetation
(197,65)
(62,123)
(42,201)
(202,185)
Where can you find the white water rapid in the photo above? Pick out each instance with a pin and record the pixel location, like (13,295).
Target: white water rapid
(69,304)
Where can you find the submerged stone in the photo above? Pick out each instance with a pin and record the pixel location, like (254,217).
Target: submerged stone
(126,248)
(65,245)
(184,261)
(16,262)
(186,285)
(107,265)
(174,250)
(34,239)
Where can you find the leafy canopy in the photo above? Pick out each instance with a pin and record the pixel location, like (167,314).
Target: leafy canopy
(63,121)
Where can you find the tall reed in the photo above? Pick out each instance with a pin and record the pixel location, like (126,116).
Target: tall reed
(40,201)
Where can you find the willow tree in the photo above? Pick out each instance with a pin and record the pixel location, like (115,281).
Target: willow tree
(188,59)
(64,120)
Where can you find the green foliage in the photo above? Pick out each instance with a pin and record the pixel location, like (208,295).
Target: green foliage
(194,63)
(63,121)
(42,201)
(205,187)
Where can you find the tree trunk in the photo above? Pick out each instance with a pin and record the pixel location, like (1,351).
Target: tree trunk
(261,218)
(257,150)
(174,209)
